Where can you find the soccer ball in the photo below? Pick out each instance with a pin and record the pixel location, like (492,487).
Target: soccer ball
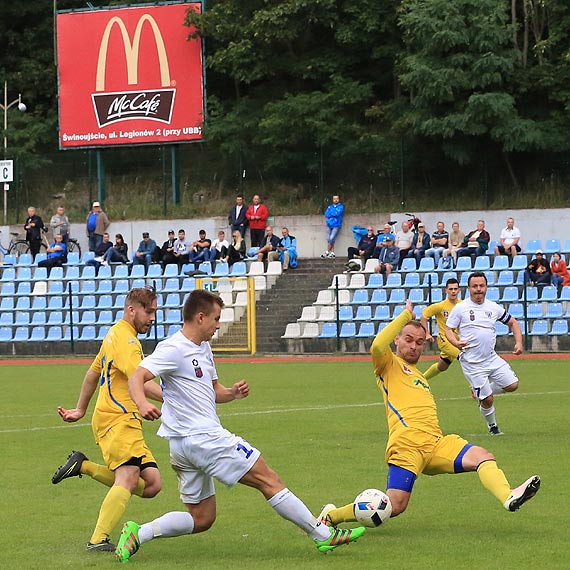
(372,507)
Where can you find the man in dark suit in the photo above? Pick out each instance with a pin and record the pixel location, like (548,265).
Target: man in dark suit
(34,227)
(236,218)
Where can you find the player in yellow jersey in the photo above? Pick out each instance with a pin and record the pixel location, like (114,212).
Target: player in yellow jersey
(415,442)
(447,352)
(117,426)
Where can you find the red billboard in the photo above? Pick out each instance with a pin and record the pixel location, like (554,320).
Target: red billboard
(129,76)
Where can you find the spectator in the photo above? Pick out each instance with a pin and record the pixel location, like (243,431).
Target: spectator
(56,254)
(119,253)
(100,252)
(510,238)
(381,240)
(59,224)
(269,244)
(404,240)
(439,242)
(286,251)
(167,248)
(200,248)
(538,270)
(559,271)
(333,215)
(97,224)
(237,218)
(219,248)
(34,226)
(181,251)
(236,251)
(475,243)
(389,257)
(365,247)
(420,243)
(456,238)
(257,215)
(145,251)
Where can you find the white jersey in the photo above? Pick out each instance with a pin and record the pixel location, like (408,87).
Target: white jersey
(187,373)
(476,325)
(510,235)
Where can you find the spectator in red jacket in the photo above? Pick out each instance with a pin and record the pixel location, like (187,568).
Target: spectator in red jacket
(257,215)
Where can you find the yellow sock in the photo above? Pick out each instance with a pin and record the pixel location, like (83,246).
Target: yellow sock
(494,480)
(104,475)
(342,514)
(111,512)
(432,371)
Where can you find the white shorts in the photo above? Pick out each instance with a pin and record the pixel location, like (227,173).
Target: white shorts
(480,375)
(198,459)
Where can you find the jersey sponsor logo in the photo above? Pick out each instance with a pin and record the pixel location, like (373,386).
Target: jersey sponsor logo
(418,382)
(197,370)
(471,315)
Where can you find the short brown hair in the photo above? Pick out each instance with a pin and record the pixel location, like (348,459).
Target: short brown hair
(143,296)
(416,324)
(200,301)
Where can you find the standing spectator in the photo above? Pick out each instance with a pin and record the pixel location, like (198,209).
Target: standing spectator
(475,243)
(59,224)
(538,270)
(56,254)
(181,251)
(439,242)
(269,244)
(382,239)
(456,238)
(119,253)
(286,251)
(365,247)
(218,249)
(257,215)
(236,251)
(333,215)
(510,238)
(237,218)
(420,243)
(34,226)
(559,270)
(167,248)
(145,251)
(404,240)
(389,257)
(97,224)
(200,247)
(100,252)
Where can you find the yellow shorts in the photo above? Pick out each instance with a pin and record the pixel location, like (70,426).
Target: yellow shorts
(123,441)
(421,452)
(446,350)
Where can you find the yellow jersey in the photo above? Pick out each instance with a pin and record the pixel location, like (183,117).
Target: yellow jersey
(440,311)
(118,357)
(407,394)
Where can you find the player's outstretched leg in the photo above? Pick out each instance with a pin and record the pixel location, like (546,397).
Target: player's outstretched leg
(522,494)
(71,468)
(338,537)
(129,542)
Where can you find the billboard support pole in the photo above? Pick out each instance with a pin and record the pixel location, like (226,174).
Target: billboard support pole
(174,175)
(100,177)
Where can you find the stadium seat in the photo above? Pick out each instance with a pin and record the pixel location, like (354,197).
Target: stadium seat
(345,313)
(238,269)
(363,313)
(531,293)
(394,280)
(188,284)
(171,285)
(325,297)
(121,286)
(8,275)
(566,246)
(5,334)
(360,297)
(539,328)
(259,283)
(339,281)
(173,329)
(434,296)
(534,311)
(88,333)
(357,281)
(552,246)
(25,260)
(520,263)
(88,287)
(565,294)
(88,318)
(154,271)
(416,296)
(510,295)
(138,271)
(88,302)
(397,296)
(40,274)
(24,289)
(56,274)
(491,248)
(554,311)
(38,318)
(72,258)
(292,330)
(559,327)
(104,272)
(240,283)
(22,318)
(21,334)
(549,293)
(227,298)
(40,288)
(482,263)
(172,301)
(411,279)
(493,294)
(329,330)
(6,320)
(506,278)
(25,273)
(502,329)
(408,264)
(55,303)
(366,330)
(327,313)
(382,313)
(379,297)
(516,310)
(273,268)
(23,304)
(38,334)
(375,281)
(102,332)
(463,264)
(10,259)
(431,279)
(370,265)
(55,318)
(54,334)
(105,302)
(119,301)
(7,304)
(310,330)
(173,316)
(170,270)
(8,290)
(500,262)
(121,271)
(68,331)
(426,264)
(532,246)
(397,310)
(348,330)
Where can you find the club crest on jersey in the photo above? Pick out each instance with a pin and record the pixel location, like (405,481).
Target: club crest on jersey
(488,314)
(471,315)
(406,369)
(197,369)
(446,314)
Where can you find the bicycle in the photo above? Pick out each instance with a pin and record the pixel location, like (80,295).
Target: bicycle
(20,246)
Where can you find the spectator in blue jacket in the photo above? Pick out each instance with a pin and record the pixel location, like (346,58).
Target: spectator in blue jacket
(365,247)
(56,254)
(286,251)
(143,254)
(333,215)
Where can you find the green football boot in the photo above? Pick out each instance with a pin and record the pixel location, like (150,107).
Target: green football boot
(338,537)
(128,541)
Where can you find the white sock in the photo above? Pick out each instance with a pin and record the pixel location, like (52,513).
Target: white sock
(290,507)
(171,524)
(488,415)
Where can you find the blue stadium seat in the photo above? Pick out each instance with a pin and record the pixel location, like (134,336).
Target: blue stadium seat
(54,334)
(566,246)
(426,264)
(88,318)
(463,264)
(121,286)
(506,278)
(171,270)
(88,272)
(172,285)
(329,330)
(531,293)
(121,271)
(534,311)
(173,316)
(24,289)
(154,271)
(55,318)
(25,260)
(382,313)
(7,304)
(173,329)
(493,294)
(519,262)
(137,271)
(172,301)
(8,290)
(119,302)
(88,302)
(416,296)
(105,272)
(375,281)
(105,317)
(434,296)
(55,303)
(500,262)
(565,294)
(490,275)
(5,334)
(239,268)
(394,280)
(363,313)
(68,331)
(22,318)
(412,279)
(104,287)
(40,274)
(88,287)
(56,274)
(206,267)
(38,334)
(408,264)
(448,275)
(379,297)
(222,269)
(516,310)
(360,297)
(549,293)
(502,329)
(554,311)
(8,275)
(10,259)
(539,328)
(23,304)
(105,302)
(491,248)
(510,295)
(6,320)
(88,333)
(38,318)
(72,273)
(72,301)
(552,246)
(348,330)
(366,330)
(532,246)
(188,284)
(21,334)
(25,274)
(87,256)
(398,310)
(431,279)
(345,313)
(559,327)
(138,283)
(102,331)
(73,258)
(397,296)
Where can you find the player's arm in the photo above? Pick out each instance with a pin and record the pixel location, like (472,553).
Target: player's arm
(153,391)
(425,324)
(236,392)
(90,382)
(137,381)
(513,324)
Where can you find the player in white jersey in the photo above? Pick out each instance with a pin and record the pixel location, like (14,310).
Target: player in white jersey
(201,450)
(485,370)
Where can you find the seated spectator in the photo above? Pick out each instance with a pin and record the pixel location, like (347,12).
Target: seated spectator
(538,270)
(476,242)
(420,243)
(439,242)
(404,240)
(236,251)
(199,248)
(56,254)
(268,244)
(167,248)
(100,252)
(365,247)
(389,258)
(180,251)
(559,271)
(510,238)
(218,249)
(119,253)
(145,251)
(381,240)
(456,238)
(286,251)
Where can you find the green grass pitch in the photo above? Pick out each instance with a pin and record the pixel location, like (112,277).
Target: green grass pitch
(322,427)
